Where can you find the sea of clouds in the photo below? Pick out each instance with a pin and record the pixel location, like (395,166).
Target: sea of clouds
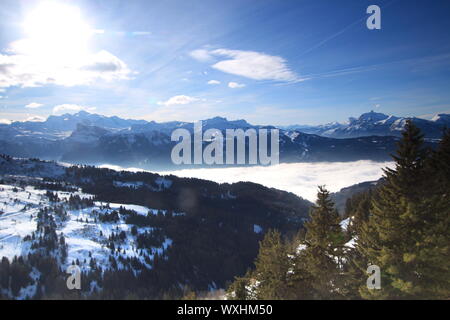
(299,178)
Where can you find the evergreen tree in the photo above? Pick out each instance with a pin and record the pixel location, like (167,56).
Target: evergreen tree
(270,276)
(439,165)
(318,263)
(434,256)
(238,289)
(354,275)
(398,236)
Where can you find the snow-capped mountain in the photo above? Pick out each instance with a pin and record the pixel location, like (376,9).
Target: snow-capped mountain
(313,129)
(442,119)
(86,134)
(223,124)
(94,139)
(378,124)
(58,127)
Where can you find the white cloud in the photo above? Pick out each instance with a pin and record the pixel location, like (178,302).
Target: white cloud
(235,85)
(249,64)
(201,55)
(33,105)
(35,119)
(104,63)
(26,65)
(200,109)
(5,121)
(56,51)
(432,116)
(141,33)
(71,107)
(177,100)
(213,82)
(299,178)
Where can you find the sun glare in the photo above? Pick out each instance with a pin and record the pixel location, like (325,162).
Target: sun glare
(56,30)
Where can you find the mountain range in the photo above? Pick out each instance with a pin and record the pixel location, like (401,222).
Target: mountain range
(95,139)
(376,124)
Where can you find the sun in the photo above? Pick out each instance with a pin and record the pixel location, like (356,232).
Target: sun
(57,31)
(55,48)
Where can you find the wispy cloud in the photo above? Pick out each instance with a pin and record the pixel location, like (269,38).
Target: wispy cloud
(123,33)
(431,116)
(213,82)
(29,64)
(177,100)
(141,33)
(250,64)
(71,107)
(235,85)
(201,55)
(35,119)
(190,111)
(425,62)
(33,105)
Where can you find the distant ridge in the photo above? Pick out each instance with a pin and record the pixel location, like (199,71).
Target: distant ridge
(377,124)
(87,138)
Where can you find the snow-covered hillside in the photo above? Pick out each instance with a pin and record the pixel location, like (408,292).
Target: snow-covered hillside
(87,235)
(18,211)
(130,233)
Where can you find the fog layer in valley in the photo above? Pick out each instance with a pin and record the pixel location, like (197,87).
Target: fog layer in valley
(299,178)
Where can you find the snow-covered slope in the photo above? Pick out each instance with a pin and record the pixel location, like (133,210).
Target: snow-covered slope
(132,228)
(87,237)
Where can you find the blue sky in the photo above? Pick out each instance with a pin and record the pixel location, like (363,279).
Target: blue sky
(278,62)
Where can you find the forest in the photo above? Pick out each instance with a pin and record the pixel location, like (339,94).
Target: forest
(402,226)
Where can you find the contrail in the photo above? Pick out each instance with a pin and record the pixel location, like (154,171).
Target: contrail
(358,69)
(321,43)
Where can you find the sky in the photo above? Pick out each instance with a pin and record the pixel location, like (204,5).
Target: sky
(269,62)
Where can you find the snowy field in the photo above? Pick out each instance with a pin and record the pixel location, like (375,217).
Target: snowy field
(84,236)
(17,219)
